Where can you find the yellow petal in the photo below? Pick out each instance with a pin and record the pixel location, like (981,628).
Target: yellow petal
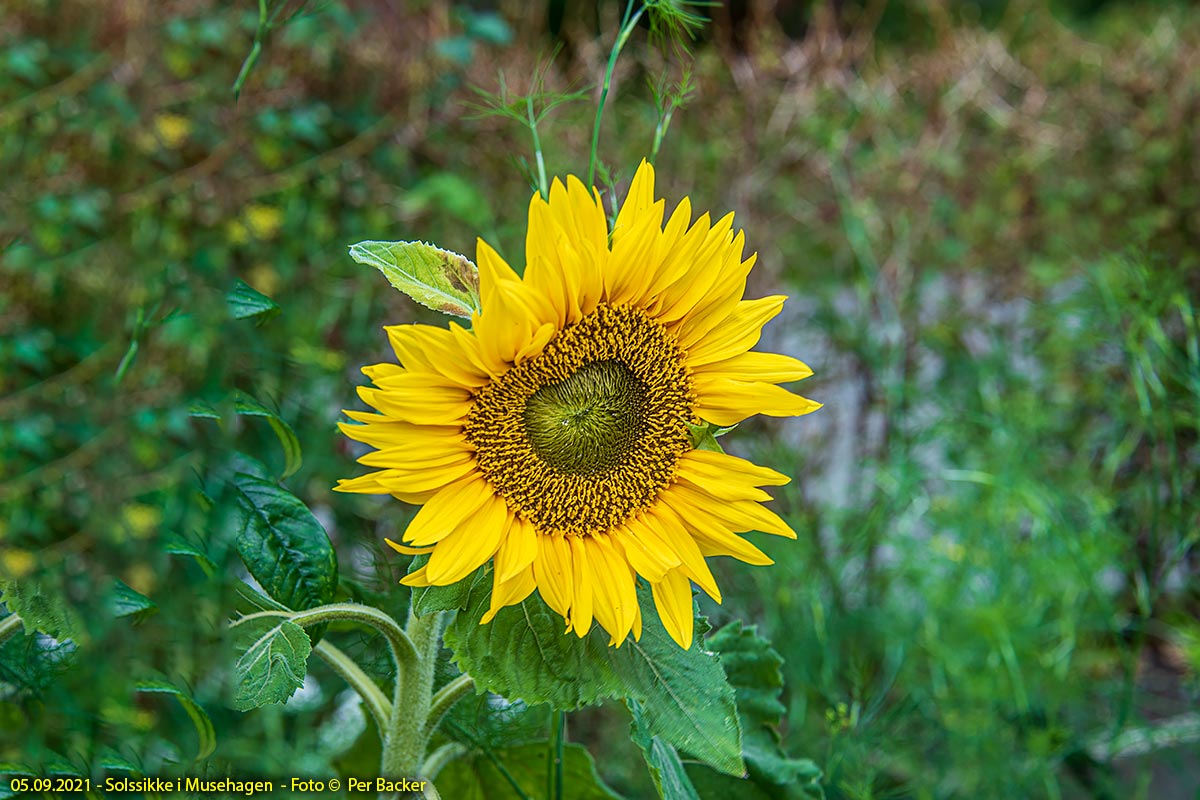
(552,570)
(509,592)
(394,480)
(704,272)
(638,201)
(738,515)
(469,545)
(416,578)
(713,462)
(725,402)
(737,333)
(408,551)
(518,550)
(436,406)
(754,366)
(381,432)
(434,350)
(715,539)
(613,585)
(670,527)
(581,602)
(447,509)
(673,599)
(649,561)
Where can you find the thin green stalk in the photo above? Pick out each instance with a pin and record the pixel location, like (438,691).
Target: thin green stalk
(543,186)
(439,758)
(407,733)
(260,35)
(554,766)
(9,626)
(446,697)
(375,701)
(628,23)
(402,647)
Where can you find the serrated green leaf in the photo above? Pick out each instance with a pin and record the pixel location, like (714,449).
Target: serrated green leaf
(41,607)
(435,278)
(247,406)
(477,777)
(206,734)
(754,669)
(666,770)
(430,599)
(487,720)
(283,545)
(126,602)
(524,654)
(246,302)
(272,664)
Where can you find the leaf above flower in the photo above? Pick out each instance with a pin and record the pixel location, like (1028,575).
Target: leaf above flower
(439,279)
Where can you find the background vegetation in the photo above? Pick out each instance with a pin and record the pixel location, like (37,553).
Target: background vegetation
(987,215)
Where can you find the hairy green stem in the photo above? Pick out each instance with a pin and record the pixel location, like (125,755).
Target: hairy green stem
(402,647)
(407,733)
(446,697)
(628,23)
(377,704)
(8,626)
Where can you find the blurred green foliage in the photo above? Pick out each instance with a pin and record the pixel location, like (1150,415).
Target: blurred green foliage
(988,216)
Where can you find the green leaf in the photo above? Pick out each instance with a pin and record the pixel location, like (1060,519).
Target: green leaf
(272,664)
(283,545)
(126,602)
(704,437)
(247,406)
(178,547)
(41,607)
(435,278)
(487,721)
(429,599)
(754,669)
(245,302)
(202,410)
(666,769)
(478,776)
(207,735)
(524,654)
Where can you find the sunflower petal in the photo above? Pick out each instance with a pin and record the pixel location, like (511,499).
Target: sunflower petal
(673,599)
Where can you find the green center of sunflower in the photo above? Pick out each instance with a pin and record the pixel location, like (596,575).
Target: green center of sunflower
(582,436)
(587,423)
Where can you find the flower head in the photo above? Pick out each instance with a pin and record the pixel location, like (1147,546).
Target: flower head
(555,437)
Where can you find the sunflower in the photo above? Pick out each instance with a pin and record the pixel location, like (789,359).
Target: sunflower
(555,437)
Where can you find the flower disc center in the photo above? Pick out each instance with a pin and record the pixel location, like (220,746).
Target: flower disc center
(587,433)
(586,423)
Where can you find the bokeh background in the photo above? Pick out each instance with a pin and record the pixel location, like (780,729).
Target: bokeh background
(987,215)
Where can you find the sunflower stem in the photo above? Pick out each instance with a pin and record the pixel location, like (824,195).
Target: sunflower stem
(377,705)
(446,697)
(408,730)
(628,22)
